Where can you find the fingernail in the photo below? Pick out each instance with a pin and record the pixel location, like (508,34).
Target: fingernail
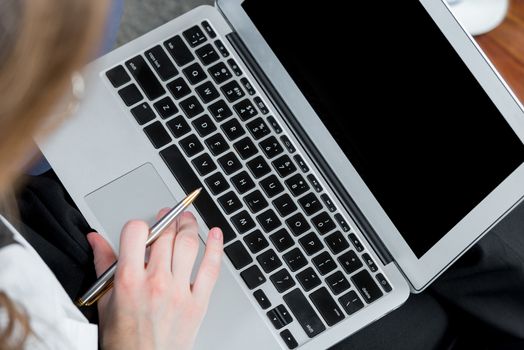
(217,234)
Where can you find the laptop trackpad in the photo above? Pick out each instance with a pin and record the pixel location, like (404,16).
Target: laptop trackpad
(139,194)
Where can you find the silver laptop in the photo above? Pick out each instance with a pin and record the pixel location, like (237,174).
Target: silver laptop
(348,165)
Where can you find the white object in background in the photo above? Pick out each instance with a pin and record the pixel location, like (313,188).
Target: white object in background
(479,16)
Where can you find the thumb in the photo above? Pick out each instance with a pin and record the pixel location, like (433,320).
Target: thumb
(104,256)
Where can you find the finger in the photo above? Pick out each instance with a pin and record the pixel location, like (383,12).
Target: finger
(162,249)
(104,256)
(210,266)
(133,245)
(186,249)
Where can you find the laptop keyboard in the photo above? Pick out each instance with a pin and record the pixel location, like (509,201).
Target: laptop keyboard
(282,232)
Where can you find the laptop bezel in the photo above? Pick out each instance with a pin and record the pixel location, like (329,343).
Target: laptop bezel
(419,272)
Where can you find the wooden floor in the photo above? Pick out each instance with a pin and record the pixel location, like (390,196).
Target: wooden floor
(505,47)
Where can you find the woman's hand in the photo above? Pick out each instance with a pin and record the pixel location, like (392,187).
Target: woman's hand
(155,306)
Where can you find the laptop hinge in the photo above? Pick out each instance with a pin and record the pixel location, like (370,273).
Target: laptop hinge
(333,181)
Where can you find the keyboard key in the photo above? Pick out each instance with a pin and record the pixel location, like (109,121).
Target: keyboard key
(166,107)
(369,262)
(255,201)
(337,283)
(295,260)
(258,167)
(308,279)
(287,143)
(328,202)
(191,107)
(232,91)
(245,109)
(230,163)
(178,126)
(220,73)
(311,243)
(310,203)
(274,124)
(217,184)
(209,30)
(269,220)
(204,126)
(238,255)
(233,129)
(230,202)
(207,92)
(282,280)
(342,223)
(253,277)
(245,148)
(284,205)
(323,223)
(351,302)
(336,242)
(284,166)
(262,299)
(297,224)
(383,282)
(314,183)
(194,36)
(217,144)
(234,67)
(271,147)
(247,86)
(204,164)
(242,182)
(243,222)
(220,111)
(143,113)
(261,105)
(297,185)
(191,145)
(350,262)
(118,76)
(221,48)
(324,263)
(178,88)
(179,50)
(256,241)
(145,77)
(194,73)
(356,243)
(161,63)
(288,338)
(204,204)
(301,163)
(282,240)
(304,313)
(207,54)
(157,134)
(366,286)
(269,261)
(279,316)
(271,186)
(258,128)
(130,95)
(327,306)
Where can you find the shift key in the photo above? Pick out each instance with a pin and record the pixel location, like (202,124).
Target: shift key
(304,313)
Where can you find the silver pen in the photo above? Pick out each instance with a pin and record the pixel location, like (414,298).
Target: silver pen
(105,281)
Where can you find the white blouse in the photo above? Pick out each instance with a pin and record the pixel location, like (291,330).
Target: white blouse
(55,321)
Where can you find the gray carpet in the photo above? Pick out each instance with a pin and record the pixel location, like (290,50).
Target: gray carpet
(140,16)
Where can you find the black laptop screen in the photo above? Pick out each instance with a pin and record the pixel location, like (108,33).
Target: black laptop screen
(427,141)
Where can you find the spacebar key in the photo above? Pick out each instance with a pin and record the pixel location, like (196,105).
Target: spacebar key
(306,316)
(204,204)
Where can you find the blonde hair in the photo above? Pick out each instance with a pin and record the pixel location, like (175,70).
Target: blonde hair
(42,42)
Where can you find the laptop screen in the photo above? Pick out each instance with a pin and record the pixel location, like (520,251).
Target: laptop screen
(417,126)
